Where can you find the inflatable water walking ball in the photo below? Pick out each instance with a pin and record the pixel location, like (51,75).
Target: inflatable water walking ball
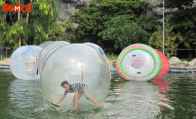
(140,62)
(23,62)
(46,43)
(48,49)
(97,48)
(75,63)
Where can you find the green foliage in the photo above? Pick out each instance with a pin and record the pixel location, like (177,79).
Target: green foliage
(148,23)
(184,21)
(123,32)
(112,57)
(40,26)
(3,58)
(113,24)
(172,39)
(67,25)
(91,19)
(178,3)
(187,59)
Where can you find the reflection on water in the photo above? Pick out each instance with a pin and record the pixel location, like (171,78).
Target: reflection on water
(163,88)
(136,99)
(24,98)
(171,97)
(182,96)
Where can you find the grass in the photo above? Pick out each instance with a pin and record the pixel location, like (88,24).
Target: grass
(3,58)
(187,59)
(112,56)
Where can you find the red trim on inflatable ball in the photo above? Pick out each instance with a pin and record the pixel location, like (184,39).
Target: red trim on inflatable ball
(164,66)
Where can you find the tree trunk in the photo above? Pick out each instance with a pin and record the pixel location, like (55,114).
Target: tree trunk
(27,19)
(20,40)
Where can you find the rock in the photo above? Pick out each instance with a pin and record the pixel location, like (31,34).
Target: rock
(5,62)
(154,2)
(194,4)
(192,64)
(155,9)
(114,63)
(175,62)
(109,63)
(185,63)
(68,7)
(159,10)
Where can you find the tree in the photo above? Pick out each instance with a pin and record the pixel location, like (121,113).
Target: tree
(65,26)
(122,32)
(180,4)
(31,27)
(148,23)
(172,40)
(91,19)
(184,21)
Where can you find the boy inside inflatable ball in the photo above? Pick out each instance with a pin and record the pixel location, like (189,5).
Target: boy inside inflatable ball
(79,89)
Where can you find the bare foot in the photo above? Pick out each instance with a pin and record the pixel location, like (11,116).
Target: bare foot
(97,106)
(76,107)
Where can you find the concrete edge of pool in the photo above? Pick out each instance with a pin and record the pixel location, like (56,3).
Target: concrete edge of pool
(172,70)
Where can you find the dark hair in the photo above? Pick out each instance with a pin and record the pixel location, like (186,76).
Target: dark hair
(64,82)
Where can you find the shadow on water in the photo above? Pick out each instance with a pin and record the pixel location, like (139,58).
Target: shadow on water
(171,97)
(5,79)
(182,93)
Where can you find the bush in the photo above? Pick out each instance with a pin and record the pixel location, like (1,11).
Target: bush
(122,32)
(172,39)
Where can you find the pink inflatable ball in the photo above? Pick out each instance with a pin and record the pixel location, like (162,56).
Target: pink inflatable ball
(48,50)
(164,66)
(140,62)
(75,63)
(23,62)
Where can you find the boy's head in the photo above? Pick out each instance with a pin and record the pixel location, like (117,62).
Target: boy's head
(65,85)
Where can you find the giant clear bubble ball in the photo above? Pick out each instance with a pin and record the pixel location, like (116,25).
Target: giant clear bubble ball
(23,64)
(97,48)
(49,49)
(46,43)
(75,63)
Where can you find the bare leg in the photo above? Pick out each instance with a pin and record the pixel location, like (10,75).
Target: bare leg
(95,102)
(85,92)
(79,96)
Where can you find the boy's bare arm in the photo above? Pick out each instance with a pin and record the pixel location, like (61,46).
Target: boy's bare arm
(76,100)
(61,99)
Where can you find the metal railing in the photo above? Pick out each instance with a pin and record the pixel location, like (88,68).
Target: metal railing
(181,53)
(5,52)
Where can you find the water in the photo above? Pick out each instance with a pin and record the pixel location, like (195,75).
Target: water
(174,97)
